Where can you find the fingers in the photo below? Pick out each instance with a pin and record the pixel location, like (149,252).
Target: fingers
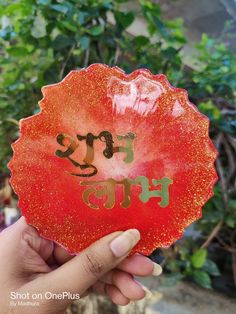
(140,265)
(99,287)
(42,246)
(115,295)
(21,231)
(125,282)
(82,271)
(120,288)
(61,256)
(112,292)
(30,250)
(137,264)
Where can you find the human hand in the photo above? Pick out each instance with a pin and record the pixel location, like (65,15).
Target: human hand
(31,265)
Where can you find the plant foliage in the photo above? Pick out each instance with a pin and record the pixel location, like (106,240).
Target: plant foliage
(42,40)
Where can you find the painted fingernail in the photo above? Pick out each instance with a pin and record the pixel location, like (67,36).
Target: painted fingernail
(125,242)
(148,293)
(157,269)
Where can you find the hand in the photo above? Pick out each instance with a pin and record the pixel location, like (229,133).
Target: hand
(32,265)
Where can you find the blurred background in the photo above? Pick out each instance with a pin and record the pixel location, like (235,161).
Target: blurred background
(194,44)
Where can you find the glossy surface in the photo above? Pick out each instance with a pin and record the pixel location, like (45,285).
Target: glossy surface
(110,151)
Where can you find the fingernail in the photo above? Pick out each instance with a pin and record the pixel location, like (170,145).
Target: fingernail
(148,293)
(125,242)
(157,269)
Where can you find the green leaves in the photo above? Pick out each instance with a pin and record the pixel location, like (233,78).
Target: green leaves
(44,2)
(62,42)
(84,42)
(202,278)
(195,266)
(141,41)
(17,51)
(96,30)
(82,17)
(39,27)
(69,25)
(124,19)
(60,8)
(3,103)
(209,109)
(198,258)
(203,268)
(211,268)
(19,9)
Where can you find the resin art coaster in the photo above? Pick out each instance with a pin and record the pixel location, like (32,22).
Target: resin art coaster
(111,151)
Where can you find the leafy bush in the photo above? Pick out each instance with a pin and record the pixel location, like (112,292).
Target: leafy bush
(42,40)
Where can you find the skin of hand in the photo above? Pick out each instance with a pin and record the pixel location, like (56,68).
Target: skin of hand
(31,264)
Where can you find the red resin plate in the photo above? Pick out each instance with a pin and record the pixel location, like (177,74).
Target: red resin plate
(110,151)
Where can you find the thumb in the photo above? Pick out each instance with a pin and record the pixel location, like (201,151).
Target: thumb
(82,271)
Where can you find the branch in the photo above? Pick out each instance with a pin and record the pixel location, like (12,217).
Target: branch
(231,160)
(220,171)
(225,246)
(220,101)
(232,141)
(117,54)
(234,266)
(14,121)
(232,250)
(86,58)
(213,234)
(61,74)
